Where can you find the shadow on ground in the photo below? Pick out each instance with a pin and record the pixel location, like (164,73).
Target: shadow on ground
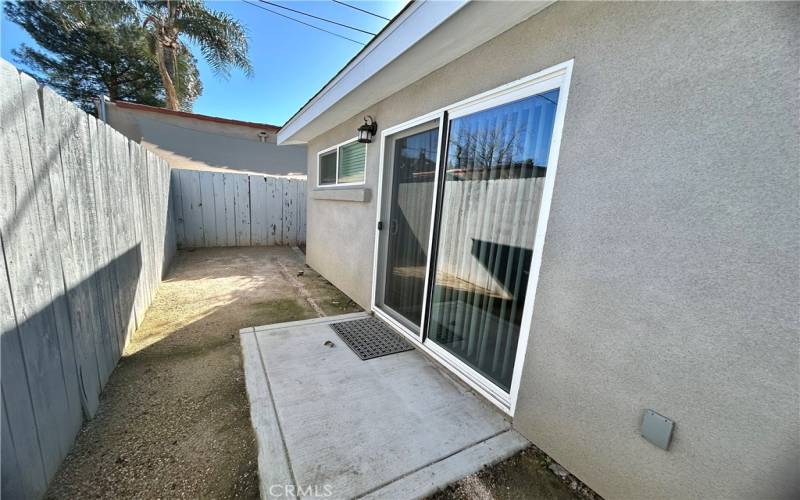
(174,418)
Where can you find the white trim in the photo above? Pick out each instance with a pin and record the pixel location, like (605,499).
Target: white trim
(515,93)
(420,120)
(419,19)
(541,232)
(338,184)
(384,134)
(558,76)
(423,322)
(411,124)
(423,38)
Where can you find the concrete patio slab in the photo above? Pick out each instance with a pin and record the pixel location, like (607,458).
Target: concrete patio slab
(329,424)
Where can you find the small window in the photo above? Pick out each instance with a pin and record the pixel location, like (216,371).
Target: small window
(343,165)
(327,168)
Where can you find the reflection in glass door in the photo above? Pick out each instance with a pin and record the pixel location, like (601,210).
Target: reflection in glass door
(495,167)
(409,184)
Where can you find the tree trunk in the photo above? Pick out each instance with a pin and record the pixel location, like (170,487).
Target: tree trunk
(169,87)
(113,89)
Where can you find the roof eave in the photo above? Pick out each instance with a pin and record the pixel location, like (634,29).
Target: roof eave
(193,116)
(413,45)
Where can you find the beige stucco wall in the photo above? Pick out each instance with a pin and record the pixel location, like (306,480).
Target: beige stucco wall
(670,275)
(203,145)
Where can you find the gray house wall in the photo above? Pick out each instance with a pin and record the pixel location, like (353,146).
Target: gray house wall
(203,145)
(670,275)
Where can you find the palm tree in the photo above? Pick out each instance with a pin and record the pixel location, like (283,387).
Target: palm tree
(221,38)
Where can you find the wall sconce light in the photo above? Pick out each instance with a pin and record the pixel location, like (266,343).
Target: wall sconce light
(367,131)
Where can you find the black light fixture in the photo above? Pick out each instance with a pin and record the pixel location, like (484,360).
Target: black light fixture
(367,131)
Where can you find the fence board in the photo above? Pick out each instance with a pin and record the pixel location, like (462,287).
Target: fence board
(165,222)
(207,208)
(230,210)
(242,210)
(152,207)
(220,220)
(99,245)
(258,209)
(107,207)
(121,231)
(301,211)
(274,211)
(289,212)
(12,478)
(176,198)
(135,203)
(192,211)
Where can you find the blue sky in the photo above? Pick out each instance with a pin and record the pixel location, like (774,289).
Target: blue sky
(291,61)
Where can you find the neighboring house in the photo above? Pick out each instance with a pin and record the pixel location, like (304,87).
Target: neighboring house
(200,142)
(657,269)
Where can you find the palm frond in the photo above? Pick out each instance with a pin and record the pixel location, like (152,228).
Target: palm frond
(222,39)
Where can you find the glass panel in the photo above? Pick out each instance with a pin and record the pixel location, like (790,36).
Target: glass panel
(495,168)
(409,222)
(352,161)
(327,168)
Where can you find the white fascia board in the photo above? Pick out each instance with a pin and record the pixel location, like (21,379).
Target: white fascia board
(418,20)
(406,51)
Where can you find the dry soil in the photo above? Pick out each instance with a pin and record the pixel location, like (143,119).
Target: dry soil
(530,474)
(174,419)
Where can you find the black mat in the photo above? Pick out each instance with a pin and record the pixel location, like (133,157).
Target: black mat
(370,338)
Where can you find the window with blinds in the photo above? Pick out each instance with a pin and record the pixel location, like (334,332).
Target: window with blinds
(352,160)
(344,165)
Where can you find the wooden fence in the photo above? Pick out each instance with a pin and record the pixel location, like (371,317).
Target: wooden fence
(86,235)
(214,209)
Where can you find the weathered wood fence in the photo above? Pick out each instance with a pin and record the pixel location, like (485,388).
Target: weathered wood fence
(86,234)
(215,209)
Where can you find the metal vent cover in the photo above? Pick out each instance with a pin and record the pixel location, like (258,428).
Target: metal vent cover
(370,338)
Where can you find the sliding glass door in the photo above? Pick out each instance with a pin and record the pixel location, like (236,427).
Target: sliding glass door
(494,172)
(464,199)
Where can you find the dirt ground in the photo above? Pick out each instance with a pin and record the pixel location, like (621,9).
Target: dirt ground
(530,474)
(174,418)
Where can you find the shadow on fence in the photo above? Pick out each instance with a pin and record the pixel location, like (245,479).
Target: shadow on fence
(52,374)
(86,234)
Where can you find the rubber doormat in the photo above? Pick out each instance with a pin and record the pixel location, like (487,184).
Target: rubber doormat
(370,338)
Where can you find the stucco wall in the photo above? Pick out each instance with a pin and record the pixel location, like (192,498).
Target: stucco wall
(202,145)
(670,275)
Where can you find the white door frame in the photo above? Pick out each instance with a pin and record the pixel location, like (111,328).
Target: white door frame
(558,76)
(387,150)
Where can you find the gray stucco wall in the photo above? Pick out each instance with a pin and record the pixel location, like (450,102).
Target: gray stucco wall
(670,275)
(200,145)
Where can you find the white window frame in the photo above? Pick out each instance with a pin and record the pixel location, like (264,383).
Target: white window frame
(338,157)
(558,76)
